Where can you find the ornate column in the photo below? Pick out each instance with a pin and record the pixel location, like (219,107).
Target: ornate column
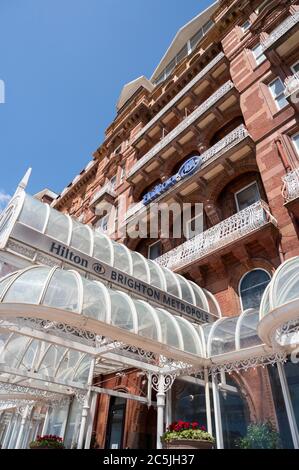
(161,383)
(86,406)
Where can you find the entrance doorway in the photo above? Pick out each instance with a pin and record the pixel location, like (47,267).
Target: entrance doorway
(116,422)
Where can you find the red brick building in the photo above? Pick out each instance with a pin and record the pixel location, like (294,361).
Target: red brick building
(226,90)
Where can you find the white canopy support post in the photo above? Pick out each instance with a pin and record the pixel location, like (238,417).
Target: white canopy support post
(208,401)
(12,435)
(217,413)
(91,416)
(160,410)
(25,413)
(86,406)
(288,405)
(168,408)
(161,383)
(46,421)
(8,431)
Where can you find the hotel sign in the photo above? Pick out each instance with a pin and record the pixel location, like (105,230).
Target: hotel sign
(107,273)
(187,169)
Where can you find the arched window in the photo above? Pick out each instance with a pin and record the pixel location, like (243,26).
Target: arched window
(252,287)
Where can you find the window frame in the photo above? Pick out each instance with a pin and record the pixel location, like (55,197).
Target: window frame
(294,65)
(274,98)
(241,280)
(243,189)
(149,248)
(296,148)
(257,57)
(244,30)
(189,221)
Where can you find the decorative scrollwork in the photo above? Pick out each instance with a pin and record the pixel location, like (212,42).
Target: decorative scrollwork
(291,185)
(236,226)
(162,383)
(250,363)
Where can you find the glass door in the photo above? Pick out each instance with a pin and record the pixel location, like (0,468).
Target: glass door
(116,421)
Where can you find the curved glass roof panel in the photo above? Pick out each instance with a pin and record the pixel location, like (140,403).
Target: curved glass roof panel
(157,277)
(140,267)
(148,323)
(246,331)
(62,291)
(81,238)
(222,336)
(49,361)
(58,226)
(102,248)
(283,288)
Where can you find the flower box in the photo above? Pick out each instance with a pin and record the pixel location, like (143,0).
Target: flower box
(185,435)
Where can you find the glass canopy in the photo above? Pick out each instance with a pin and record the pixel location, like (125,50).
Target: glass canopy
(96,244)
(67,291)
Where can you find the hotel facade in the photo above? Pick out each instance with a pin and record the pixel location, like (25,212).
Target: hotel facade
(107,338)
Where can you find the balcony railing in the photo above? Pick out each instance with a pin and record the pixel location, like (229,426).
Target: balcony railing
(224,145)
(239,225)
(291,185)
(291,85)
(222,91)
(281,30)
(180,95)
(107,189)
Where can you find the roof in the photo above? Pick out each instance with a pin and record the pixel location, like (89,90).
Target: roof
(46,192)
(182,37)
(130,89)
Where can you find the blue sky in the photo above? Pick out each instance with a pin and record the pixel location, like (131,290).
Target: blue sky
(64,63)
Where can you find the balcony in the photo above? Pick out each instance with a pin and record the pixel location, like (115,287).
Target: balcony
(279,33)
(192,84)
(291,191)
(228,232)
(106,195)
(231,148)
(181,134)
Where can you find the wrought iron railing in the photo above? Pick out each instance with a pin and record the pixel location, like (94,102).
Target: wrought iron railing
(290,188)
(224,145)
(243,223)
(281,30)
(180,95)
(107,189)
(222,91)
(291,85)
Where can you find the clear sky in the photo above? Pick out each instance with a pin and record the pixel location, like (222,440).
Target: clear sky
(64,63)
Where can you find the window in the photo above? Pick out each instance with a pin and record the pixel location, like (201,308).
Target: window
(259,54)
(154,250)
(247,196)
(113,181)
(295,139)
(245,26)
(252,287)
(194,226)
(102,224)
(295,67)
(122,174)
(277,91)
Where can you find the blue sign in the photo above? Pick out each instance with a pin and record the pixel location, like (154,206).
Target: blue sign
(187,169)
